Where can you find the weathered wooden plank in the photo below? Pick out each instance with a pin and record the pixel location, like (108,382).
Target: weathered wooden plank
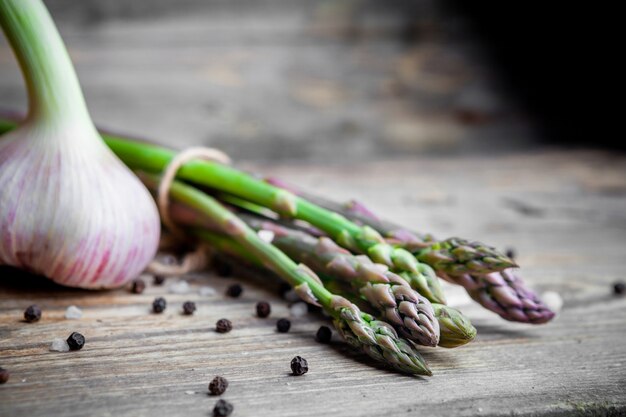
(141,364)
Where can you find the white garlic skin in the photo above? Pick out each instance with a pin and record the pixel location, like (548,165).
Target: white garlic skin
(70,209)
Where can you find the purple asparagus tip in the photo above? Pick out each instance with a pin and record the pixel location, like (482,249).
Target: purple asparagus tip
(505,294)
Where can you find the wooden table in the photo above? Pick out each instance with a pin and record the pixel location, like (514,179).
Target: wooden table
(563,212)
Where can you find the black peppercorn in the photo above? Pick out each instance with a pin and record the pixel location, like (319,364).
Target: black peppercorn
(263,309)
(159,279)
(189,307)
(4,376)
(619,288)
(76,341)
(283,325)
(510,252)
(323,334)
(32,314)
(299,366)
(234,290)
(137,286)
(159,304)
(223,326)
(218,385)
(222,408)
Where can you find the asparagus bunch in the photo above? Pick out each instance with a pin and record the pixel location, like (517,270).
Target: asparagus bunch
(455,329)
(319,253)
(396,302)
(376,338)
(372,283)
(486,275)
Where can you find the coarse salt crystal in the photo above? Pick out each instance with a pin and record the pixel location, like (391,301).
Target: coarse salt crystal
(553,300)
(298,309)
(73,313)
(207,291)
(59,345)
(266,235)
(190,392)
(180,287)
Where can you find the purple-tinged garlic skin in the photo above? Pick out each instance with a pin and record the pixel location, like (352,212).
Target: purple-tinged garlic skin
(70,209)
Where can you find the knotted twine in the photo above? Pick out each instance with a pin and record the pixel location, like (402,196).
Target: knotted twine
(199,258)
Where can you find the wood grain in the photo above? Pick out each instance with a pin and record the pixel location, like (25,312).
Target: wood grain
(136,363)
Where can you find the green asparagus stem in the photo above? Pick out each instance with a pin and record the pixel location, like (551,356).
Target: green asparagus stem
(376,338)
(152,158)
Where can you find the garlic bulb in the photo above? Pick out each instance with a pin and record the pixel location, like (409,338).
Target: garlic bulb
(69,208)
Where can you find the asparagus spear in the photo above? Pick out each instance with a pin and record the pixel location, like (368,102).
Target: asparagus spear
(452,256)
(376,338)
(151,158)
(506,294)
(407,311)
